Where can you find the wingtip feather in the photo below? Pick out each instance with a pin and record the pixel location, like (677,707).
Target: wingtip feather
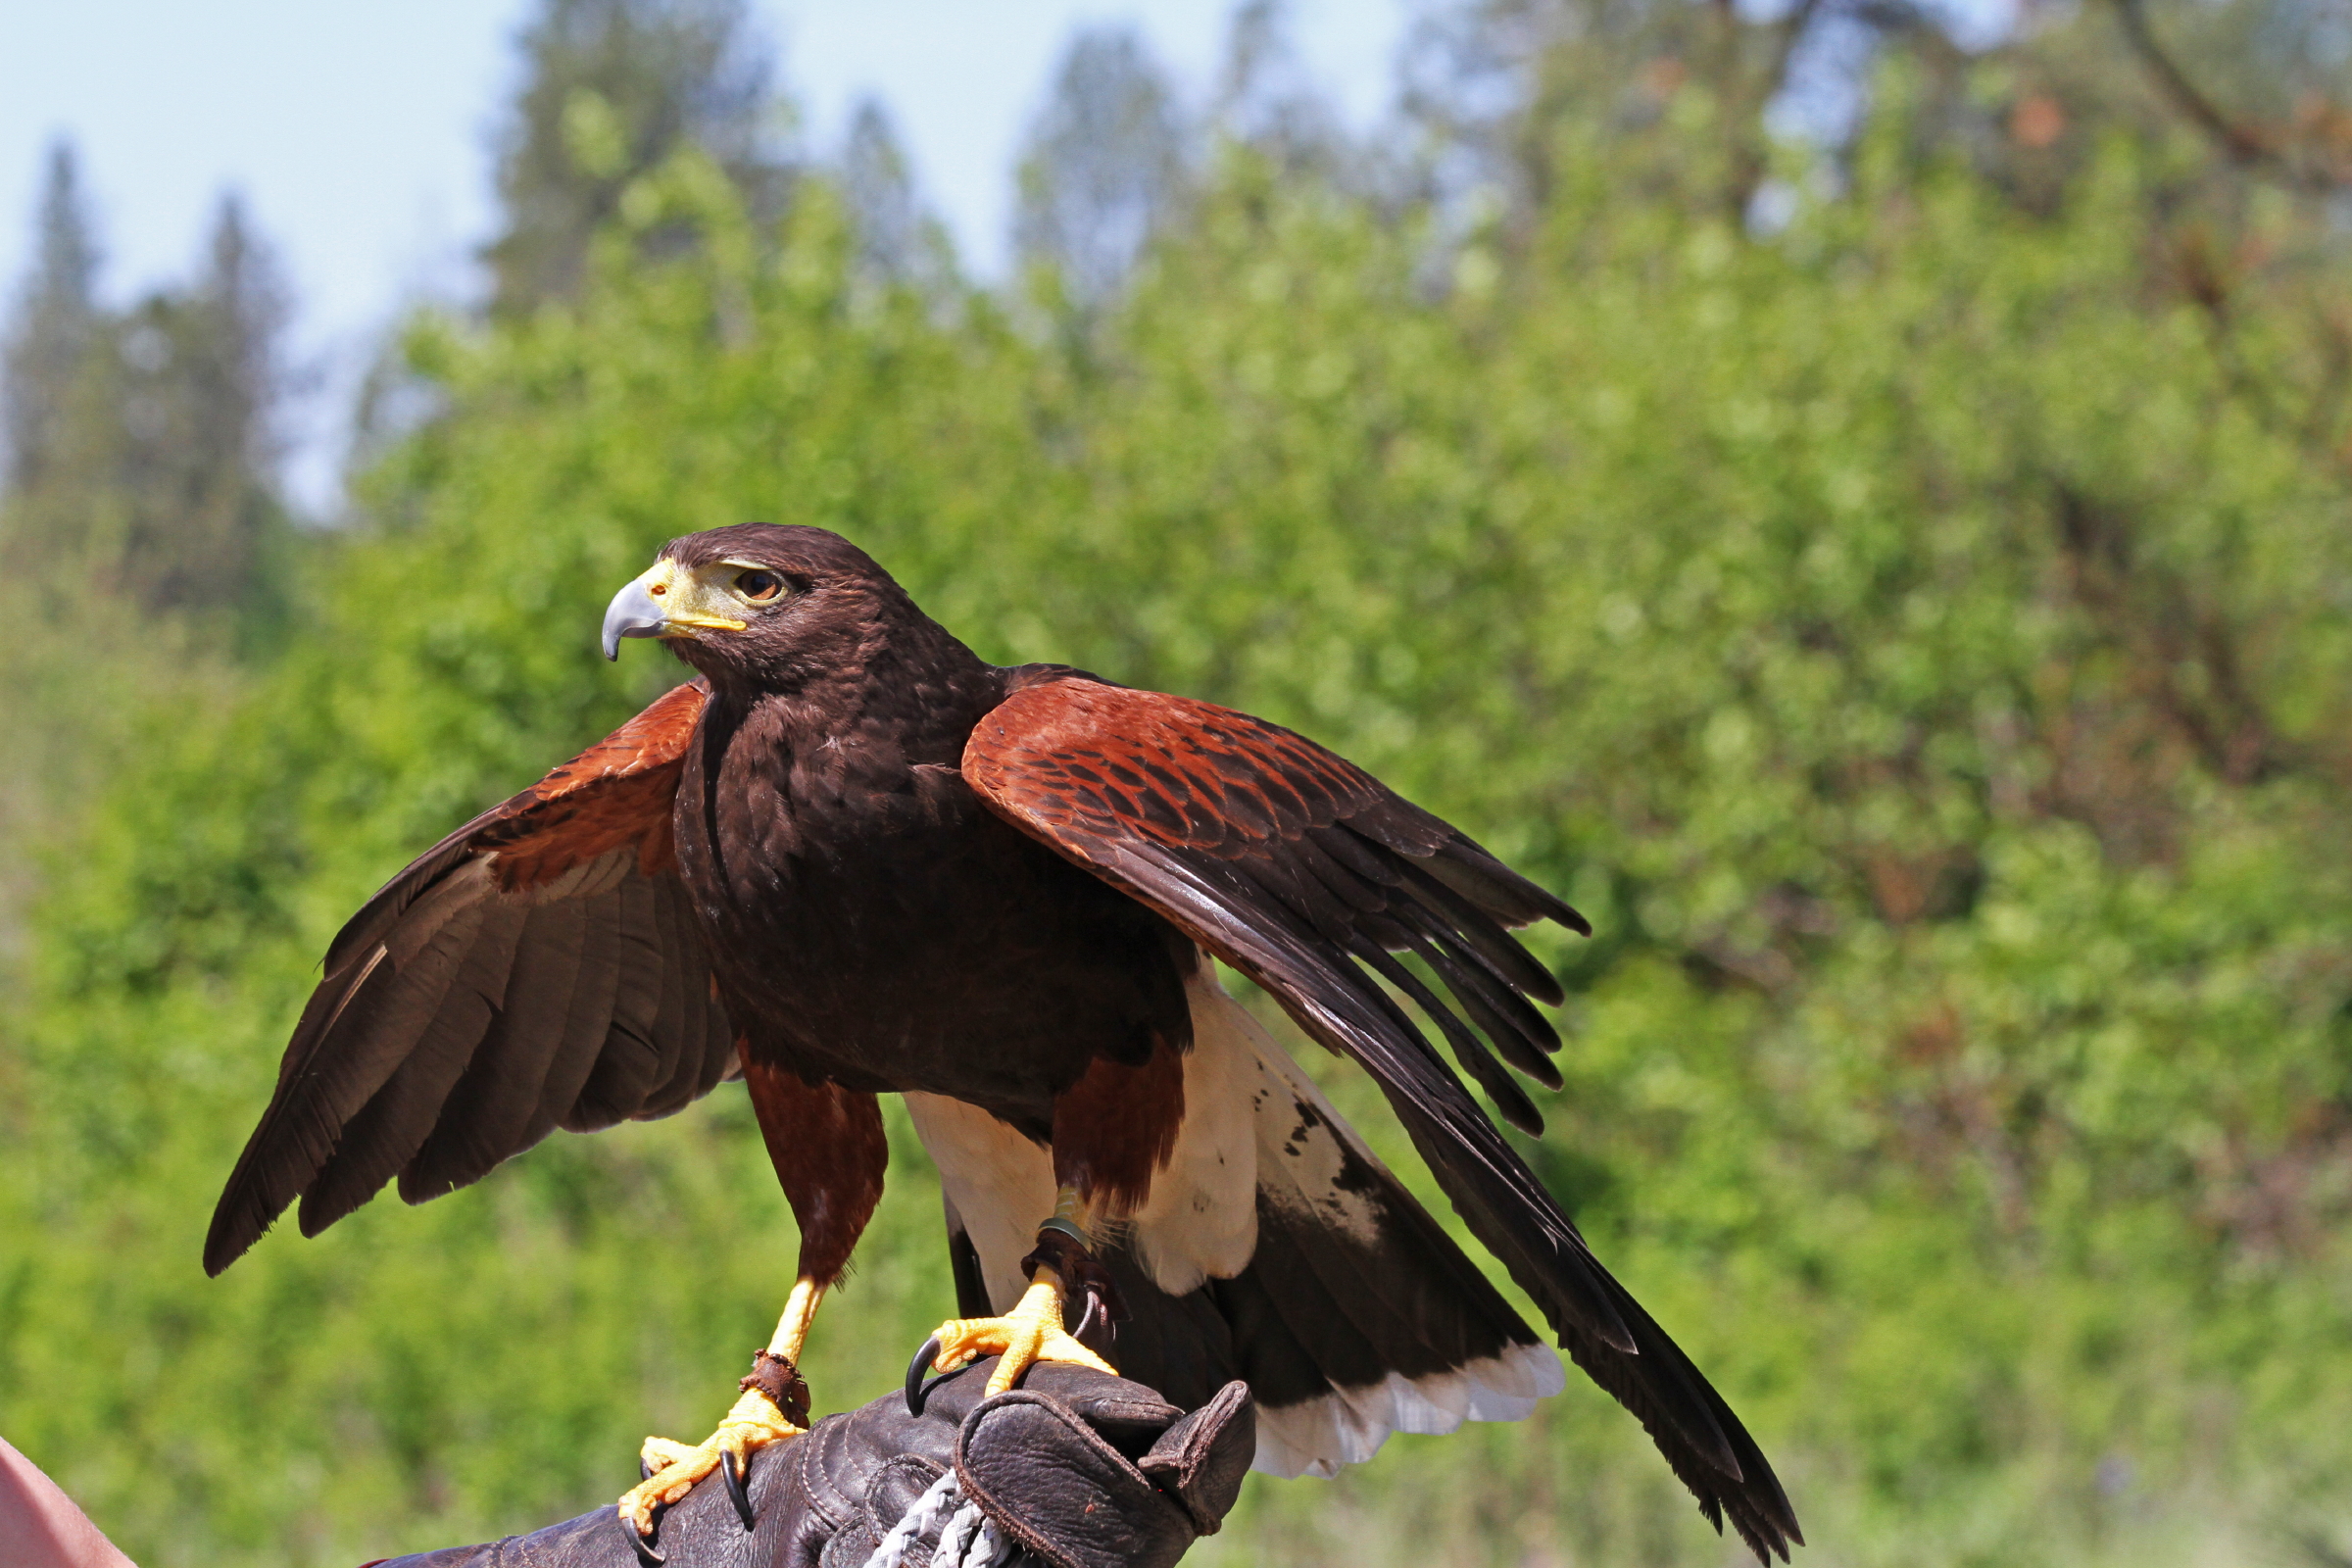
(224,1244)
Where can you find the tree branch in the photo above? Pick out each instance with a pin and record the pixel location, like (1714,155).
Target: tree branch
(2243,144)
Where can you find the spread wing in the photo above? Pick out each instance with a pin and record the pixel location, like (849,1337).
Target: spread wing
(538,969)
(1307,874)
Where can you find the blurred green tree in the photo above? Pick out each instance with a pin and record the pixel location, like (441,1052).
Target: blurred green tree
(611,88)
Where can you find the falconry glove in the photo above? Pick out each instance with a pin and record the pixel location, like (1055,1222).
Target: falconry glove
(1073,1470)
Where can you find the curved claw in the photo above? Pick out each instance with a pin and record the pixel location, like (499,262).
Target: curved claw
(736,1472)
(645,1470)
(918,1390)
(643,1545)
(1086,1317)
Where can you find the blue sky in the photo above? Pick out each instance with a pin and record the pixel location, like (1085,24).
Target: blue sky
(357,129)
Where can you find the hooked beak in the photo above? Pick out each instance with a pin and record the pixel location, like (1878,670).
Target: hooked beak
(633,612)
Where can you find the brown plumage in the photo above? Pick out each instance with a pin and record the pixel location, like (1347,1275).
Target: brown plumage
(851,857)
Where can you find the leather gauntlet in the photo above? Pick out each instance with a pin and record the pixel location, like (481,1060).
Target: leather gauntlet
(1077,1469)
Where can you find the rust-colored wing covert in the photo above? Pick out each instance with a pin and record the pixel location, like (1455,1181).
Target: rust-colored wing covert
(538,969)
(1304,872)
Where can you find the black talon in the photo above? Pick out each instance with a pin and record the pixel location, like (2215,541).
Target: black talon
(1084,1318)
(645,1468)
(737,1472)
(646,1554)
(918,1392)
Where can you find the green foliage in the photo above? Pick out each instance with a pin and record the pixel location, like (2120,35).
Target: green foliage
(1915,639)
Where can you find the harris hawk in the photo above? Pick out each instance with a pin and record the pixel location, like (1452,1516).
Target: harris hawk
(849,857)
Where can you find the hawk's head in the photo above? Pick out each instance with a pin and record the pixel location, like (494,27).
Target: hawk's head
(757,603)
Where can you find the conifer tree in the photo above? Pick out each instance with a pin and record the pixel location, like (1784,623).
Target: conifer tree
(611,90)
(141,444)
(1103,165)
(1266,100)
(200,382)
(55,338)
(899,240)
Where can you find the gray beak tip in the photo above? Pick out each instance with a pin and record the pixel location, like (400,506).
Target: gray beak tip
(633,612)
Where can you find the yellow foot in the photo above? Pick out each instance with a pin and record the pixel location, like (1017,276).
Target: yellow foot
(1030,1333)
(760,1418)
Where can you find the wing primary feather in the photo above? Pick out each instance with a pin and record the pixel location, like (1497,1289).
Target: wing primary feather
(1425,925)
(1364,895)
(1389,931)
(720,1055)
(680,1023)
(388,906)
(1467,868)
(1574,1290)
(1292,889)
(359,1045)
(626,1067)
(1372,861)
(1477,929)
(394,1124)
(1758,1509)
(588,1019)
(1400,921)
(338,1057)
(1470,1050)
(489,1109)
(1478,996)
(285,1150)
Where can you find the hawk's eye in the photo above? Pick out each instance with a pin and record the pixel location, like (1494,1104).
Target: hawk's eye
(759,587)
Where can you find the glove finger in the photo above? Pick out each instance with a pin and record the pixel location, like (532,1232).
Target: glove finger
(1203,1459)
(1052,1482)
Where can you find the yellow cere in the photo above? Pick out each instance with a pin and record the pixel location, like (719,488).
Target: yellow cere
(693,600)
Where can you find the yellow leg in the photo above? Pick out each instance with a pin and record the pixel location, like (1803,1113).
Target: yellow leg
(1032,1332)
(791,1329)
(674,1468)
